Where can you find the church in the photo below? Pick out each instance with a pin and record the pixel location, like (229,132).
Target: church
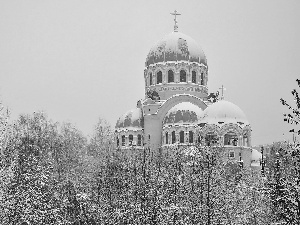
(177,109)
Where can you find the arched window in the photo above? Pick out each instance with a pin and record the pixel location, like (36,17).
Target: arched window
(150,78)
(181,136)
(231,154)
(173,137)
(123,140)
(191,137)
(139,141)
(130,139)
(118,141)
(167,138)
(230,139)
(159,77)
(202,79)
(170,76)
(211,139)
(194,79)
(199,139)
(182,76)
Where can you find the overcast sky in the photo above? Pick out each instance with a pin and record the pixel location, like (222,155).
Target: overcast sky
(81,60)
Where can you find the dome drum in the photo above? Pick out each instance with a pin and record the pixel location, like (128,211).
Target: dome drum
(168,80)
(176,65)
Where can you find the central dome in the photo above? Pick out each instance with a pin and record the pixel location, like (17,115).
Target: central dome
(176,47)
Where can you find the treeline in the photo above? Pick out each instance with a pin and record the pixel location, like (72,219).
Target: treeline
(50,173)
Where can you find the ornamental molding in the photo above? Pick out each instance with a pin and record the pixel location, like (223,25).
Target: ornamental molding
(210,128)
(176,99)
(247,131)
(176,67)
(231,128)
(179,128)
(152,65)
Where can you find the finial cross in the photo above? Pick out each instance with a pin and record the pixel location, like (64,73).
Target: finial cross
(222,91)
(175,13)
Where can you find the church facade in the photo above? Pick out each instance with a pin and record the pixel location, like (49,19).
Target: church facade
(177,109)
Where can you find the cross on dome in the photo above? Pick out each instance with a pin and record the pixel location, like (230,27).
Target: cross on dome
(222,91)
(175,13)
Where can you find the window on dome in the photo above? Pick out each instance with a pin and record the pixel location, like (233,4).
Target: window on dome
(230,139)
(139,141)
(211,139)
(159,77)
(173,137)
(170,76)
(182,76)
(150,78)
(191,136)
(202,79)
(123,140)
(118,142)
(245,140)
(130,139)
(181,136)
(199,139)
(167,138)
(194,77)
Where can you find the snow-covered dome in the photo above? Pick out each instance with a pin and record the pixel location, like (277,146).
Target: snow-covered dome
(131,119)
(176,47)
(183,113)
(223,112)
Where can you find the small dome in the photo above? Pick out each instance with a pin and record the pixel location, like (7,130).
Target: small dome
(183,113)
(223,112)
(131,119)
(176,47)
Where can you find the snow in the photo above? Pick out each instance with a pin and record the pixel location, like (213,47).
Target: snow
(184,112)
(226,112)
(132,118)
(176,46)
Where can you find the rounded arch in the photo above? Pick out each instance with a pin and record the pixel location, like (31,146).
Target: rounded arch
(231,128)
(182,75)
(194,76)
(202,78)
(150,79)
(170,76)
(210,128)
(176,99)
(159,77)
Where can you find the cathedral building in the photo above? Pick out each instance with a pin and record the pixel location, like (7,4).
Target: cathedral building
(177,109)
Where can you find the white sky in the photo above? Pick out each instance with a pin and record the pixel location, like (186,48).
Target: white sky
(81,60)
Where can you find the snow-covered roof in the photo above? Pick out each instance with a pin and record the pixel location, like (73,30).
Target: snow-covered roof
(176,46)
(224,112)
(131,119)
(184,112)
